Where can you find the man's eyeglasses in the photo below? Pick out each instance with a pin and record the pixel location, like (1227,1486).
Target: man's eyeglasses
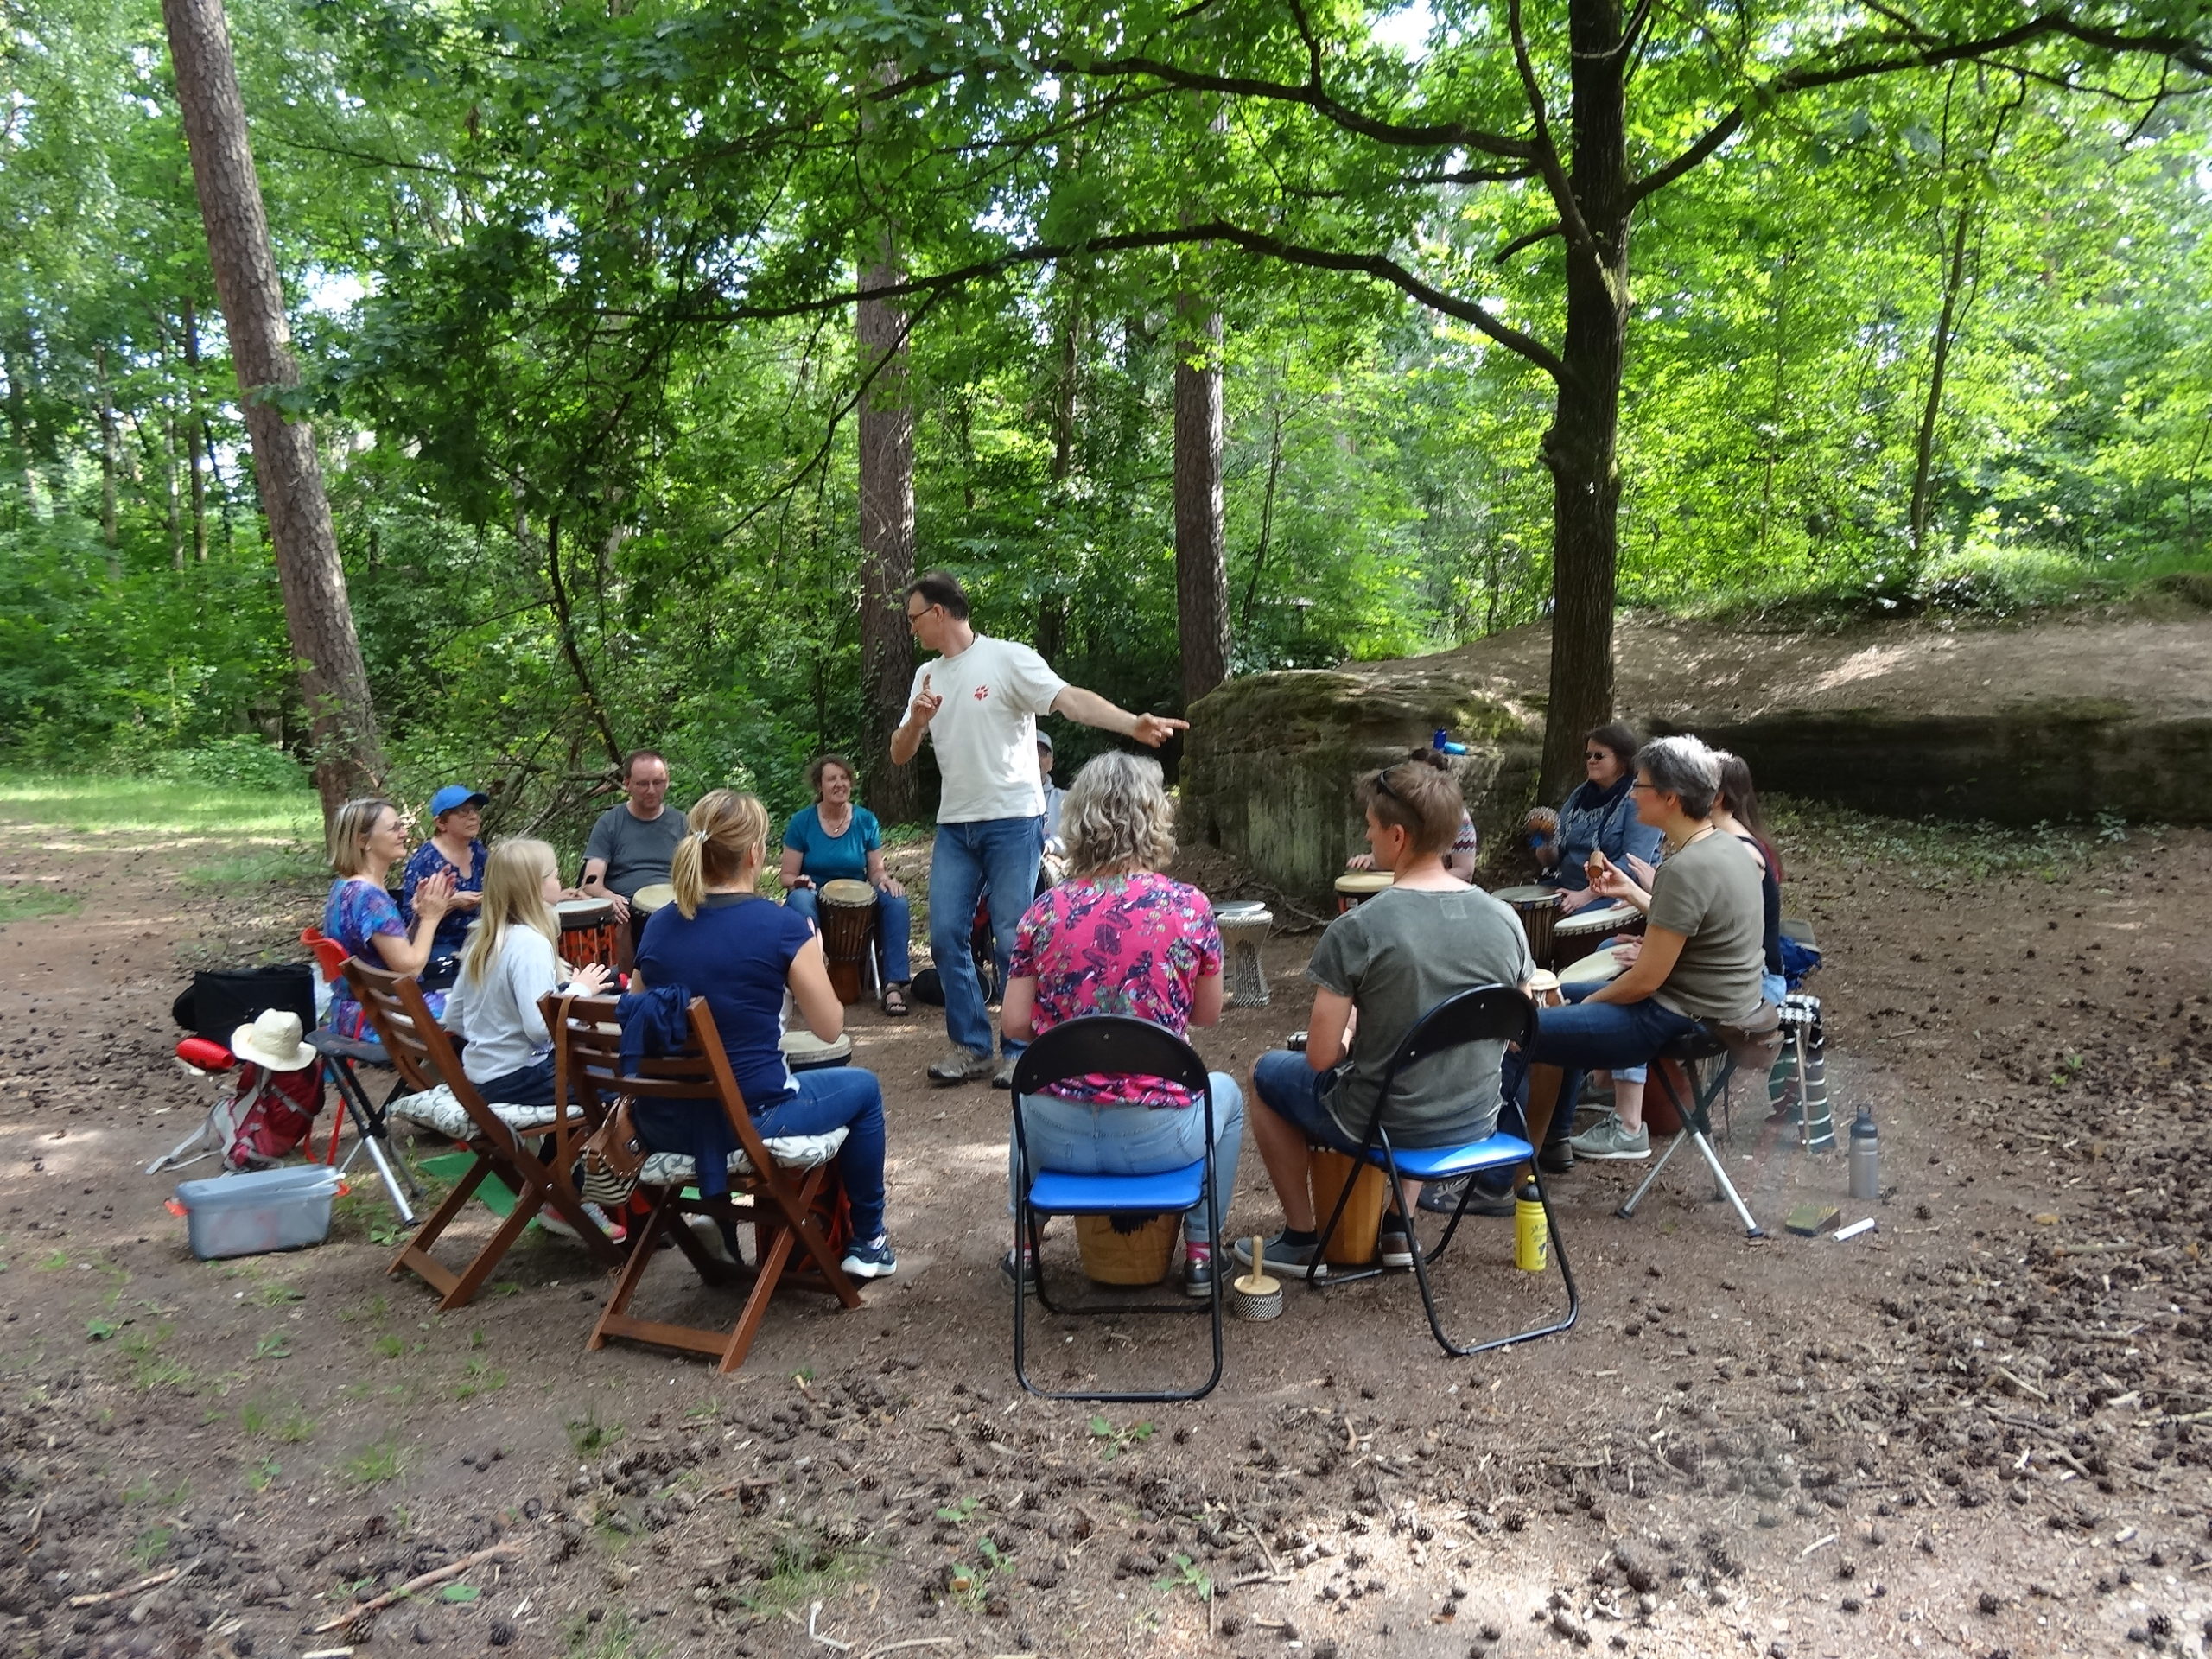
(916,616)
(1640,784)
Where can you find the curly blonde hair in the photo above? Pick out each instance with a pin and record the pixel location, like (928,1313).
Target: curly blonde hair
(1117,816)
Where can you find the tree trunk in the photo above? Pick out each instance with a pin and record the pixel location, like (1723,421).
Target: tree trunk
(887,468)
(195,433)
(1581,447)
(333,682)
(1201,562)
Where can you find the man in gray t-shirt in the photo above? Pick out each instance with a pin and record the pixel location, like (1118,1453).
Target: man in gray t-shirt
(1377,971)
(631,845)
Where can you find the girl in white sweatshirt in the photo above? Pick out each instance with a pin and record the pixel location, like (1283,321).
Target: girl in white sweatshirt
(509,962)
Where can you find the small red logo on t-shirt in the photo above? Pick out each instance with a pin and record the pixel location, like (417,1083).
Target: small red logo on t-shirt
(982,692)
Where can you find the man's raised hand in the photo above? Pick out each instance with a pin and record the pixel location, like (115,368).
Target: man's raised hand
(925,704)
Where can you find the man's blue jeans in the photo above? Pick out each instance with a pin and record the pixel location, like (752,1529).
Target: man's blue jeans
(1002,853)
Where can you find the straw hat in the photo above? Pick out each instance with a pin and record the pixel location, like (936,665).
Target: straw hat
(273,1040)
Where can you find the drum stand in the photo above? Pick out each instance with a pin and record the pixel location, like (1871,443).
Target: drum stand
(339,1056)
(1697,1124)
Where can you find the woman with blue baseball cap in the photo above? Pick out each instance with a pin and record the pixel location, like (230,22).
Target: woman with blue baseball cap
(456,816)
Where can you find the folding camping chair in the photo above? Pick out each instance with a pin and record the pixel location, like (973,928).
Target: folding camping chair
(1486,1013)
(1753,1054)
(340,1055)
(1117,1045)
(787,1188)
(445,1101)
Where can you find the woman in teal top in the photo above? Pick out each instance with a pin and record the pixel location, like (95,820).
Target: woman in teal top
(834,841)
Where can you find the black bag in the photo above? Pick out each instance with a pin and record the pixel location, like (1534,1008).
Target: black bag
(221,1000)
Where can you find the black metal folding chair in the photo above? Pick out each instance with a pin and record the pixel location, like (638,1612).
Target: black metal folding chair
(1486,1013)
(1117,1045)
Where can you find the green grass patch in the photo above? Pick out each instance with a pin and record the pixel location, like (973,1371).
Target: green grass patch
(375,1464)
(26,901)
(612,1636)
(92,803)
(269,867)
(588,1436)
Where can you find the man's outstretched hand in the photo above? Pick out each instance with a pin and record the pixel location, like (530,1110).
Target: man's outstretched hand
(1153,730)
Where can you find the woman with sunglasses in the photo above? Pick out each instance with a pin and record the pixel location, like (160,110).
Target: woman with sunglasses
(1702,958)
(1598,816)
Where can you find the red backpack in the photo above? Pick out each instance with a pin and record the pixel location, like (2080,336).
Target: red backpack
(270,1113)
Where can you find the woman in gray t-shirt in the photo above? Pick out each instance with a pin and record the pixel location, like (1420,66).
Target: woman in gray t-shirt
(1377,970)
(1700,959)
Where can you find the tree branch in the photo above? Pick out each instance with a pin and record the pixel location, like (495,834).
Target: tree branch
(1445,134)
(1932,53)
(1580,242)
(1375,266)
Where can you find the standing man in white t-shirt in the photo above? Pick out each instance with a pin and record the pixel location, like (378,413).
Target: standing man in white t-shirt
(978,703)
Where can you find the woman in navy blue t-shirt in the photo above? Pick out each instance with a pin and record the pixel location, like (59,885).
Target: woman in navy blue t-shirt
(721,940)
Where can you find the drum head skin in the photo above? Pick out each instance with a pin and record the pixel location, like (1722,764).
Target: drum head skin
(1542,982)
(1593,969)
(649,900)
(1518,897)
(583,912)
(1605,919)
(1365,882)
(846,893)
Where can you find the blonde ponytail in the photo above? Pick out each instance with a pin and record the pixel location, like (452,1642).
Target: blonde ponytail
(725,828)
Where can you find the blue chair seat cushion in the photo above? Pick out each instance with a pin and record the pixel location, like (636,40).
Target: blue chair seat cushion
(1059,1193)
(1442,1163)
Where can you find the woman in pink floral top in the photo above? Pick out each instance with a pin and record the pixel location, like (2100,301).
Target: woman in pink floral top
(1118,938)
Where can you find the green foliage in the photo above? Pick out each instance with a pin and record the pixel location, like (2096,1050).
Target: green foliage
(569,281)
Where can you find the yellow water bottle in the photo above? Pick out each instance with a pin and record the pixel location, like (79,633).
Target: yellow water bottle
(1532,1234)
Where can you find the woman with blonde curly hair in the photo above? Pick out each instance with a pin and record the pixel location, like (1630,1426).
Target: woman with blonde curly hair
(721,940)
(1118,938)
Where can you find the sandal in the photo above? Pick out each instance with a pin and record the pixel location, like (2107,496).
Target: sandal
(894,1001)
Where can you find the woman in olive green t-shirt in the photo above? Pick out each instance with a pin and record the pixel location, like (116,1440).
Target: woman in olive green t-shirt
(1700,958)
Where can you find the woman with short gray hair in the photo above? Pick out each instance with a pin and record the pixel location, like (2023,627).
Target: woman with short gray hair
(1702,957)
(1117,937)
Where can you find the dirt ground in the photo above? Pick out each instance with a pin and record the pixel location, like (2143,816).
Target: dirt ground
(1981,1429)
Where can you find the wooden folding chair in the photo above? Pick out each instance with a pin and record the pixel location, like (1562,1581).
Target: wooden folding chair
(498,1137)
(787,1208)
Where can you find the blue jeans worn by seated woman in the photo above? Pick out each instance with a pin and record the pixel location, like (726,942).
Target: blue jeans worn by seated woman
(1081,1139)
(893,923)
(836,1097)
(1586,1036)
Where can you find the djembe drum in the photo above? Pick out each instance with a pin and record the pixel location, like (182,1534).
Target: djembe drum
(1243,930)
(1538,909)
(1355,887)
(847,912)
(589,932)
(1576,935)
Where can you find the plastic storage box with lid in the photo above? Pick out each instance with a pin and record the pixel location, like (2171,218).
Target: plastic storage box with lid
(263,1211)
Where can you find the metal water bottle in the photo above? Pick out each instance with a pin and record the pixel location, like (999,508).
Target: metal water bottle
(1532,1234)
(1866,1156)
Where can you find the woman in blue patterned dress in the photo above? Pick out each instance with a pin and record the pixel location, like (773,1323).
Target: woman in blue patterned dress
(366,839)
